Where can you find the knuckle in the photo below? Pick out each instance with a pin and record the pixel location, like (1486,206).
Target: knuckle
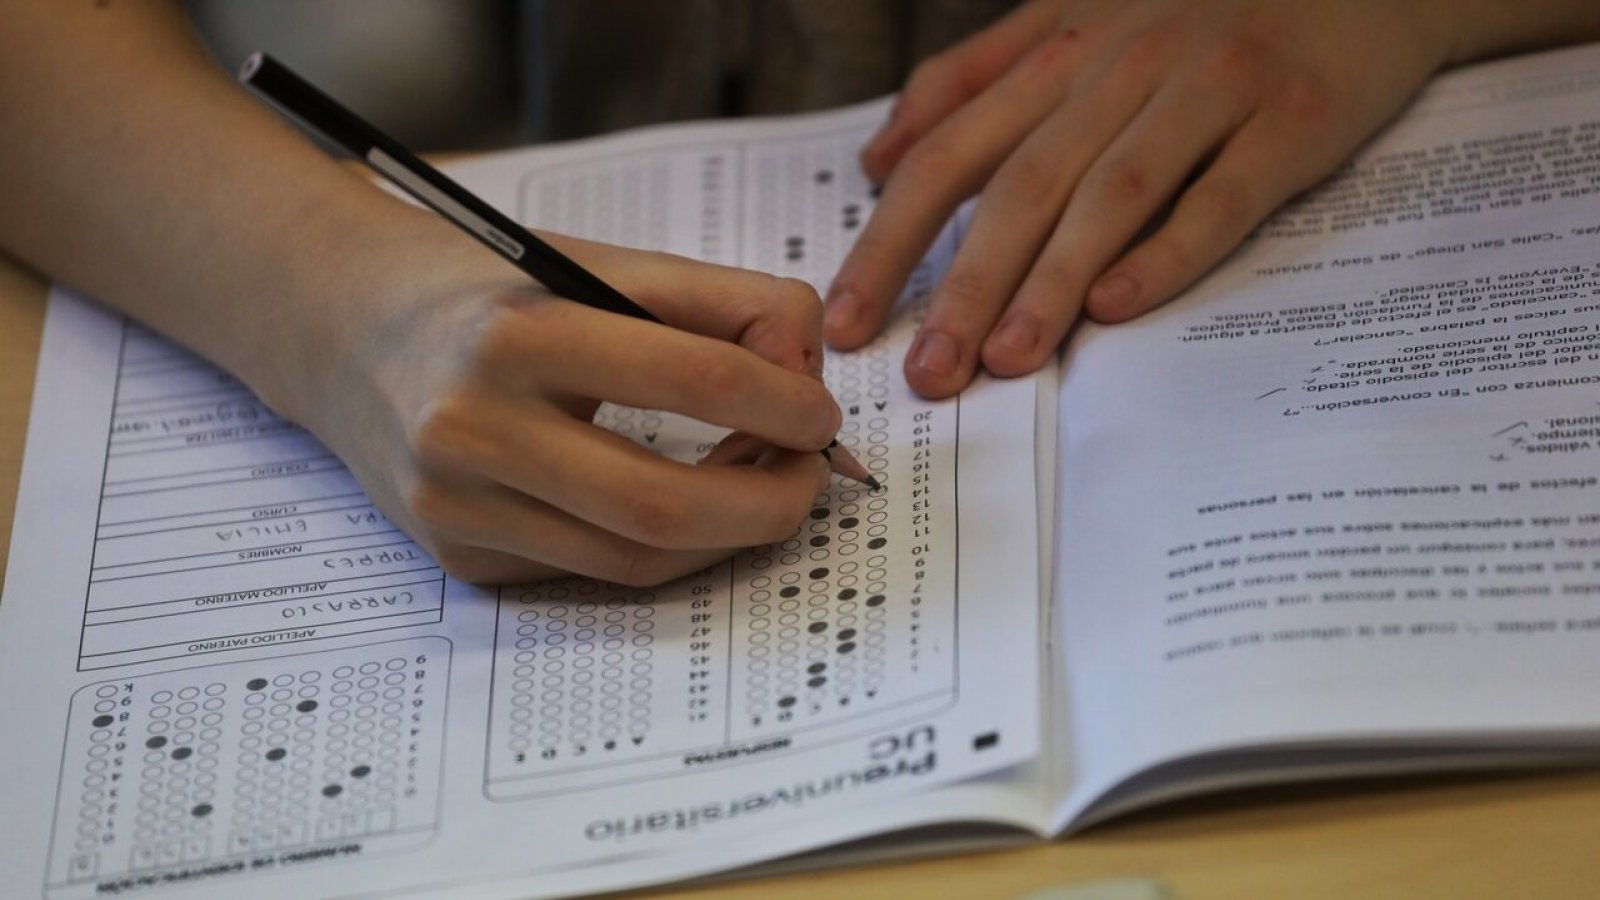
(1121,181)
(963,290)
(657,518)
(1172,254)
(1142,52)
(505,332)
(528,330)
(1229,207)
(1022,179)
(430,505)
(635,565)
(442,435)
(1057,270)
(797,296)
(1308,103)
(496,336)
(934,159)
(1235,60)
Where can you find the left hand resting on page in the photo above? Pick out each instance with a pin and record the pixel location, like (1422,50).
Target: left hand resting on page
(1077,122)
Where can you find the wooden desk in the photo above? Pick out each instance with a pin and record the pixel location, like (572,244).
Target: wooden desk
(1525,835)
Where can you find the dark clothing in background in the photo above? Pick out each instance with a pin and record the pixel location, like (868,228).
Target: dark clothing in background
(457,74)
(598,66)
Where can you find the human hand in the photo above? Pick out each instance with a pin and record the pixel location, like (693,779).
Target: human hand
(1077,122)
(463,404)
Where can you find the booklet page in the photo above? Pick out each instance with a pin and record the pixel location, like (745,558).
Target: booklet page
(1348,488)
(238,678)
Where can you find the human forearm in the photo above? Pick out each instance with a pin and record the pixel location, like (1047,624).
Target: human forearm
(134,170)
(458,391)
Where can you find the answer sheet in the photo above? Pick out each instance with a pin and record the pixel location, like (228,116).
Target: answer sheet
(1347,490)
(228,674)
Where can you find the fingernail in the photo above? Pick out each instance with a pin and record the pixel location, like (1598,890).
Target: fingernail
(1119,290)
(1019,334)
(842,310)
(881,141)
(870,148)
(896,111)
(936,353)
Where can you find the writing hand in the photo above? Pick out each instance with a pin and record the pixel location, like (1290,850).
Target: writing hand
(1080,124)
(465,410)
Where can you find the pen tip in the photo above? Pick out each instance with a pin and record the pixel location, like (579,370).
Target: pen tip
(843,462)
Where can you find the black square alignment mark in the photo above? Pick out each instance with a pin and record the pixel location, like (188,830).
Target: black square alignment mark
(986,740)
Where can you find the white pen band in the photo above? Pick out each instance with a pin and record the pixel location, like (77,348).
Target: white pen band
(442,202)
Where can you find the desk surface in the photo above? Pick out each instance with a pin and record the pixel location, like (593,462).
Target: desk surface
(1445,836)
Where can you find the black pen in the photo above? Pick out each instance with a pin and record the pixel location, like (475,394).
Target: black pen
(294,95)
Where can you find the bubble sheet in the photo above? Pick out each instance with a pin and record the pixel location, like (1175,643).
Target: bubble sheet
(244,763)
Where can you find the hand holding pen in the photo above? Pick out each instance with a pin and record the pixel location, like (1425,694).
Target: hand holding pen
(500,473)
(520,247)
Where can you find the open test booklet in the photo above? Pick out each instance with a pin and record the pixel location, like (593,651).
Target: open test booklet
(1337,510)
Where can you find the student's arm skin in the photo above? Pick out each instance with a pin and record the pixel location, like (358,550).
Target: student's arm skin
(1077,121)
(458,392)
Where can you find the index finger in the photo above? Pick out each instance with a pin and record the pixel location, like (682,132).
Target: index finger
(560,349)
(618,486)
(778,319)
(946,167)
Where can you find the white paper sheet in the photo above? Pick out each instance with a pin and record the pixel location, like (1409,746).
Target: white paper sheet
(228,674)
(1347,489)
